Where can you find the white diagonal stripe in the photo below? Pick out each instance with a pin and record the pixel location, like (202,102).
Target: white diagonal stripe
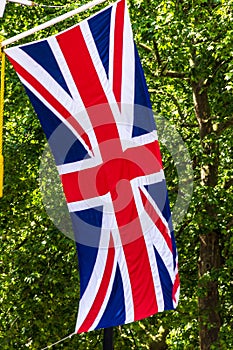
(80,112)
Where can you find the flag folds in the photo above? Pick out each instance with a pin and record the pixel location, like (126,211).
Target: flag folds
(88,89)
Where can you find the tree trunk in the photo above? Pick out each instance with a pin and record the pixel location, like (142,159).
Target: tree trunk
(208,301)
(209,257)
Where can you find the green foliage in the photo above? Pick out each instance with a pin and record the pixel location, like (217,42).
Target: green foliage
(180,43)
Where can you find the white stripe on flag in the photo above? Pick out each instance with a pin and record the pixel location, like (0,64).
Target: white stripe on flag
(128,76)
(128,296)
(92,49)
(55,112)
(95,280)
(107,296)
(156,237)
(111,45)
(42,76)
(80,113)
(149,245)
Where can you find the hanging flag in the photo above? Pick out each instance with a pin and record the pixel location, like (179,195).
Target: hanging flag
(88,89)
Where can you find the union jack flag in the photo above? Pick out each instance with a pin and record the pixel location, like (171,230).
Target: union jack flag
(88,89)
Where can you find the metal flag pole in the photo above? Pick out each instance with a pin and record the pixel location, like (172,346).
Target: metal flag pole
(108,339)
(51,22)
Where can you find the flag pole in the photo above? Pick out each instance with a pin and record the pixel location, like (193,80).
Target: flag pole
(51,22)
(108,339)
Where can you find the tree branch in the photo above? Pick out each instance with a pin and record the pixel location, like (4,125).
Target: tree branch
(173,74)
(182,227)
(162,67)
(218,65)
(144,46)
(228,184)
(179,109)
(176,103)
(223,126)
(21,244)
(157,54)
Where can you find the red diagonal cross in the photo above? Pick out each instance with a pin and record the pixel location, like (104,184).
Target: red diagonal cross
(114,174)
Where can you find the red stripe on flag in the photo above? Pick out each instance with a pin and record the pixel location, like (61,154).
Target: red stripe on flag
(95,308)
(88,83)
(147,157)
(79,185)
(137,260)
(153,148)
(118,50)
(71,188)
(51,100)
(141,280)
(175,287)
(157,220)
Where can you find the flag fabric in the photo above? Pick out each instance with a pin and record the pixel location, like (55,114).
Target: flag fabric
(88,89)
